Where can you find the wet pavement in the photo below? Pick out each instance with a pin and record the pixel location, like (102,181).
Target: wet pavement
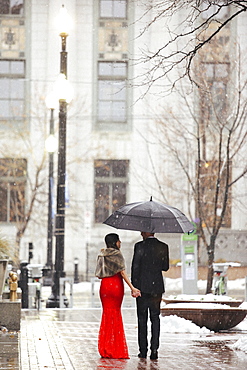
(67,339)
(9,351)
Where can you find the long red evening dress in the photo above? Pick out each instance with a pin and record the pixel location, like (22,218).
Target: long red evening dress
(111,341)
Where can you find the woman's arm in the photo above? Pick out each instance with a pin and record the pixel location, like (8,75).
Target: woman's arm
(134,292)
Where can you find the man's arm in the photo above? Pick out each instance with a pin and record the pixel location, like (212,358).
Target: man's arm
(134,292)
(135,267)
(165,266)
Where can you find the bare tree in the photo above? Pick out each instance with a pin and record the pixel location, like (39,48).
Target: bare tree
(195,24)
(24,169)
(207,151)
(195,47)
(21,188)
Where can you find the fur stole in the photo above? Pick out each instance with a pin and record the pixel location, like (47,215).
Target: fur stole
(110,261)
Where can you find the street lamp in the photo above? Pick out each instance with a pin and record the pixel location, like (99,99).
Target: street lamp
(60,88)
(51,147)
(76,272)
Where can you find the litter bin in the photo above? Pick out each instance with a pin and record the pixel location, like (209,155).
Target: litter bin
(35,271)
(220,276)
(34,285)
(220,279)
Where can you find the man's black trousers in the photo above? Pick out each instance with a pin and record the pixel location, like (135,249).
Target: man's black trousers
(148,303)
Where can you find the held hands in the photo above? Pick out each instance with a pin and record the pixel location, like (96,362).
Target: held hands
(135,293)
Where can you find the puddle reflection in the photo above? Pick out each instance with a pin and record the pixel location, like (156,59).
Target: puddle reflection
(141,364)
(108,363)
(145,365)
(221,352)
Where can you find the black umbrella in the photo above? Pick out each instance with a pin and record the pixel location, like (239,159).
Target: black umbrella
(153,217)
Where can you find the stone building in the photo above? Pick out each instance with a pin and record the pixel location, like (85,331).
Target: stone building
(113,156)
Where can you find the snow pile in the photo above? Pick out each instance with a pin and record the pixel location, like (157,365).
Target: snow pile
(243,305)
(200,305)
(87,286)
(236,284)
(241,344)
(201,297)
(176,284)
(173,284)
(242,326)
(175,324)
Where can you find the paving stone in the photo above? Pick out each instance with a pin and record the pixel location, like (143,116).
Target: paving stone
(67,340)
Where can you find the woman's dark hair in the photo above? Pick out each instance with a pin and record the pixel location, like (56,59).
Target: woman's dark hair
(111,239)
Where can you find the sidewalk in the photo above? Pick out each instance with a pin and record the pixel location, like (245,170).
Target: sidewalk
(67,340)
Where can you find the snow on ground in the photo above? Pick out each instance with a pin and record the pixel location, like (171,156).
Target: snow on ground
(201,297)
(176,284)
(175,324)
(236,284)
(171,285)
(203,305)
(241,344)
(86,286)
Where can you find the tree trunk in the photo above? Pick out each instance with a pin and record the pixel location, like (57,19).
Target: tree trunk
(211,249)
(17,248)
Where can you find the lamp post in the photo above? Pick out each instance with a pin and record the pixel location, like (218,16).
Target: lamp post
(62,90)
(51,147)
(76,273)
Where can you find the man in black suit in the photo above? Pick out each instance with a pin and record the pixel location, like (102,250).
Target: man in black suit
(151,257)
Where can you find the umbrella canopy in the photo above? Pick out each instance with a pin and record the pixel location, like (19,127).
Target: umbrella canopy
(151,216)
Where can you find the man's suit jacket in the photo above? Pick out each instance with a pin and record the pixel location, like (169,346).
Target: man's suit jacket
(151,257)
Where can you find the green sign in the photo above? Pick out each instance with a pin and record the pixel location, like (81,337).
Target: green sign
(190,237)
(189,249)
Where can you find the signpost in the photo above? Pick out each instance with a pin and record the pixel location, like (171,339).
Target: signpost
(189,263)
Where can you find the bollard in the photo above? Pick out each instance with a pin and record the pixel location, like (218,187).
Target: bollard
(23,284)
(13,286)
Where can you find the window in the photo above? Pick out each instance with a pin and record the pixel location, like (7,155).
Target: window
(112,92)
(11,6)
(12,89)
(112,99)
(214,101)
(208,178)
(12,189)
(111,179)
(113,8)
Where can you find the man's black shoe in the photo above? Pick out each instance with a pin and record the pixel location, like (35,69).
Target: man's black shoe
(154,355)
(142,355)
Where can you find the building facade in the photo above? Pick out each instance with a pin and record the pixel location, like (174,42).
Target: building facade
(113,156)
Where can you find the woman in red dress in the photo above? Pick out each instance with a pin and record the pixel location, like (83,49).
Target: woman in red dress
(111,269)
